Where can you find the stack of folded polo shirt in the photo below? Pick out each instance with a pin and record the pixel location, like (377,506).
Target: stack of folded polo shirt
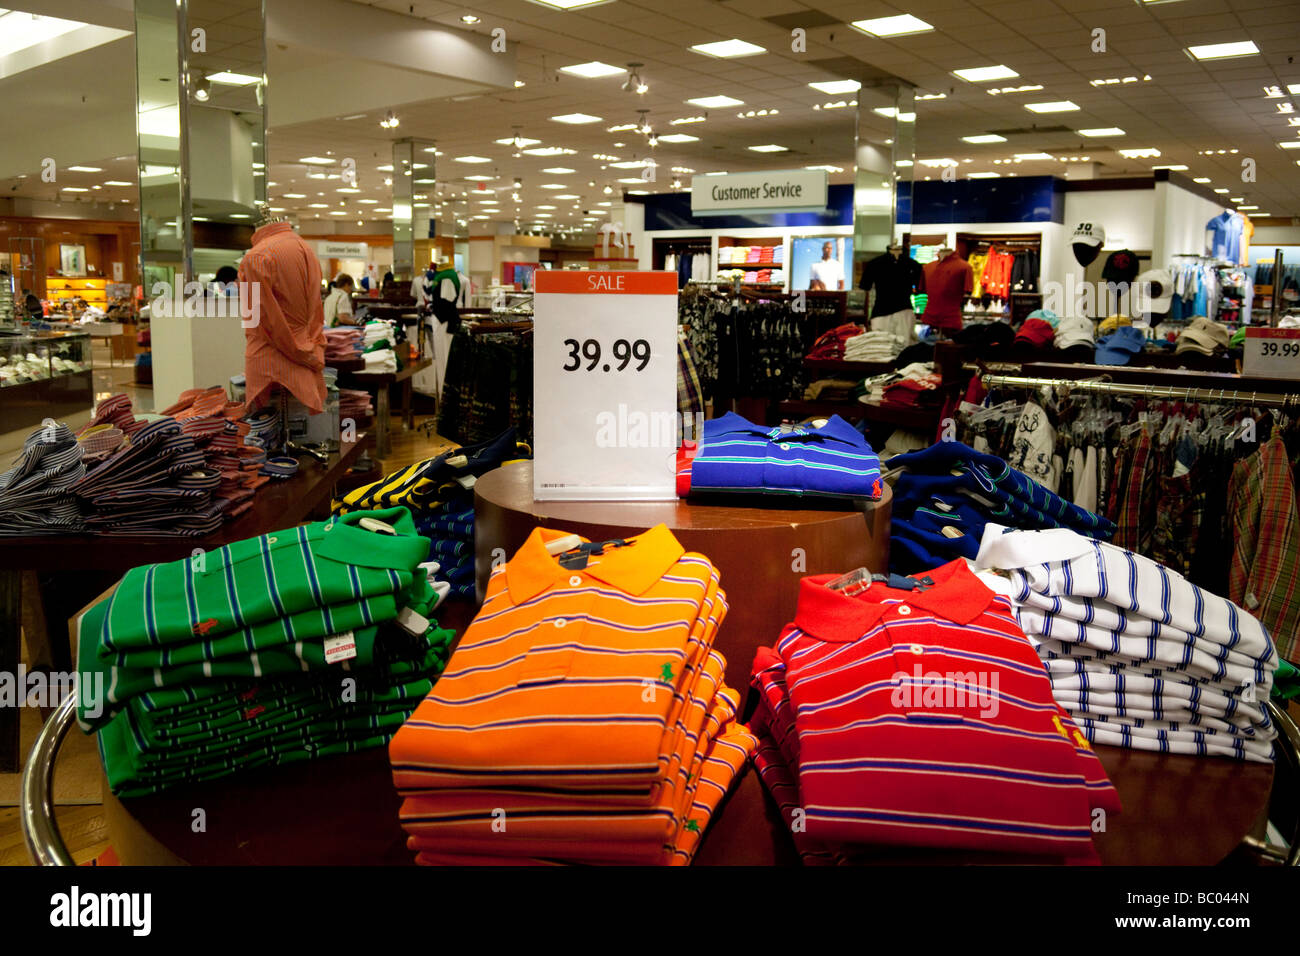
(830,390)
(1137,654)
(881,346)
(355,404)
(200,403)
(913,714)
(919,386)
(300,643)
(1203,335)
(450,530)
(35,496)
(1075,337)
(830,344)
(158,484)
(735,456)
(1119,347)
(343,343)
(946,494)
(583,716)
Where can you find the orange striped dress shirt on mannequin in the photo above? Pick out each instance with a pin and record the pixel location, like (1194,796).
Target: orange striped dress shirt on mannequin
(285,334)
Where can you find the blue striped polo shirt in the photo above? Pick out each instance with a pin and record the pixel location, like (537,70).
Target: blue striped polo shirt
(738,456)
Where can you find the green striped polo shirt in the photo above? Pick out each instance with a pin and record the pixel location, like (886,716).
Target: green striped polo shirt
(257,580)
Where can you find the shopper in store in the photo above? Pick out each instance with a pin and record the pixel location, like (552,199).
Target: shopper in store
(338,304)
(225,282)
(828,274)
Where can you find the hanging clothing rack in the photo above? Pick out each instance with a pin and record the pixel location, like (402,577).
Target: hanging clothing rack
(1209,395)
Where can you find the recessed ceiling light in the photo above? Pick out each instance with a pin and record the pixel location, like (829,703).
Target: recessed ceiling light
(75,189)
(769,148)
(682,121)
(828,168)
(1201,179)
(678,138)
(728,48)
(347,189)
(294,196)
(1177,167)
(239,215)
(549,151)
(902,25)
(1293,88)
(85,169)
(369,202)
(546,207)
(621,128)
(983,74)
(984,138)
(631,180)
(1248,207)
(232,79)
(631,163)
(1145,152)
(1102,131)
(472,159)
(891,111)
(1029,156)
(836,87)
(520,141)
(480,179)
(567,196)
(983,175)
(576,119)
(317,205)
(715,102)
(469,18)
(117,182)
(553,186)
(1223,51)
(592,70)
(1291,144)
(1055,106)
(558,170)
(1221,191)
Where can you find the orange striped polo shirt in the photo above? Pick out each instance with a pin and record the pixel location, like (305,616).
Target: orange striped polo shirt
(285,337)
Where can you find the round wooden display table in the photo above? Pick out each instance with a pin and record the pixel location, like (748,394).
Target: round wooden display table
(761,550)
(1178,811)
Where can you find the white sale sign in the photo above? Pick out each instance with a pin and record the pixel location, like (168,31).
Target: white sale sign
(605,423)
(1271,352)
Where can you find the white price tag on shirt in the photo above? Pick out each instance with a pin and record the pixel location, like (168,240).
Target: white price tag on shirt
(340,647)
(605,419)
(1274,353)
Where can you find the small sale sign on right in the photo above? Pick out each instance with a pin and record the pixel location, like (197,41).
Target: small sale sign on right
(1272,353)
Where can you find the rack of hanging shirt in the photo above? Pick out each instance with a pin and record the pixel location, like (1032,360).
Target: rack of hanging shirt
(489,380)
(690,257)
(1214,287)
(1202,480)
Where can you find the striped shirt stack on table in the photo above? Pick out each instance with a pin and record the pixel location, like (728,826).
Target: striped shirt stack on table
(35,493)
(1137,654)
(915,714)
(301,643)
(951,486)
(439,492)
(735,456)
(582,718)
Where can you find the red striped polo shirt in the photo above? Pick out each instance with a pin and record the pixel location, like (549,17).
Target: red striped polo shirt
(925,718)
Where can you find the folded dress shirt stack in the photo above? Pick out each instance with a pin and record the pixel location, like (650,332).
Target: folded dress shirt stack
(582,718)
(377,345)
(35,493)
(157,484)
(830,344)
(300,643)
(1137,654)
(735,456)
(913,712)
(947,493)
(343,343)
(355,404)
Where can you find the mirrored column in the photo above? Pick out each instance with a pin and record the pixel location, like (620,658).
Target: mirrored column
(885,153)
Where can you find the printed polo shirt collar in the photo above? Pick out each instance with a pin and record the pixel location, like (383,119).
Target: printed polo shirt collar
(958,596)
(632,569)
(731,423)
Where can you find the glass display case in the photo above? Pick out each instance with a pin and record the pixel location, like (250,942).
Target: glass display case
(44,374)
(36,356)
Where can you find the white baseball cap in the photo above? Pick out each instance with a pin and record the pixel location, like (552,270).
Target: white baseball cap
(1089,234)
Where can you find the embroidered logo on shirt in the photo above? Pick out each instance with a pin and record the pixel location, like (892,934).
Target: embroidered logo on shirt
(203,627)
(666,672)
(692,826)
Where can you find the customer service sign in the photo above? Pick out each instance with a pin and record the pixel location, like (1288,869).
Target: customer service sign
(783,190)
